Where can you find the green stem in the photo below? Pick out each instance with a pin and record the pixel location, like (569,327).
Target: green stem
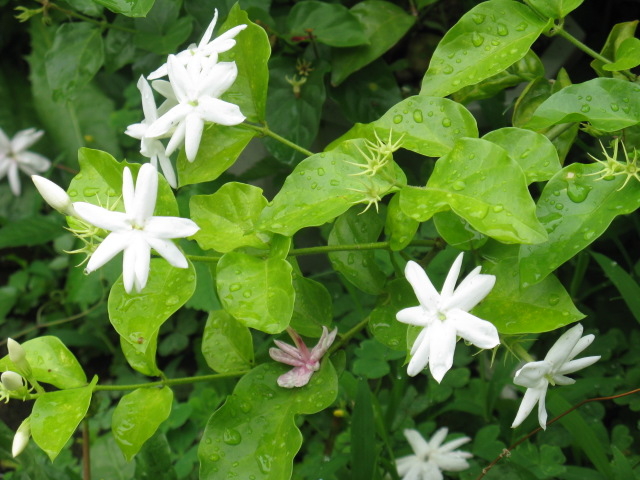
(170,381)
(347,336)
(79,16)
(557,130)
(264,130)
(521,352)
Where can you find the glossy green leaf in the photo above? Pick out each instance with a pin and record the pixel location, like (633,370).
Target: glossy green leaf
(227,218)
(627,56)
(555,8)
(384,24)
(536,92)
(618,34)
(256,292)
(227,345)
(88,7)
(312,308)
(486,40)
(399,227)
(479,182)
(51,362)
(534,152)
(155,460)
(329,23)
(33,230)
(162,30)
(251,54)
(74,58)
(294,113)
(219,148)
(130,8)
(626,285)
(358,267)
(137,317)
(56,415)
(575,207)
(372,359)
(457,232)
(363,434)
(326,185)
(542,307)
(383,324)
(254,434)
(137,417)
(607,103)
(143,362)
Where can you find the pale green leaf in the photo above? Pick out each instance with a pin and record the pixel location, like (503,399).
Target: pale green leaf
(227,345)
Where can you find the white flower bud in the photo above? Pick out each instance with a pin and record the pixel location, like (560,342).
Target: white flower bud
(21,438)
(12,381)
(54,195)
(18,357)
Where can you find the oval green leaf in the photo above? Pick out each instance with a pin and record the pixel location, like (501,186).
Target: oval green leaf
(227,345)
(329,23)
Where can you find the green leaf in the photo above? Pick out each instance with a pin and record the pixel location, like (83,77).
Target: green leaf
(383,324)
(534,152)
(486,443)
(256,292)
(155,460)
(233,445)
(575,207)
(227,346)
(251,54)
(363,434)
(326,185)
(399,228)
(227,218)
(627,56)
(555,8)
(74,58)
(162,31)
(137,317)
(626,285)
(373,359)
(51,362)
(137,417)
(130,8)
(143,362)
(457,232)
(88,7)
(537,308)
(329,23)
(358,267)
(107,460)
(486,40)
(604,102)
(619,33)
(29,231)
(480,183)
(384,24)
(56,415)
(312,308)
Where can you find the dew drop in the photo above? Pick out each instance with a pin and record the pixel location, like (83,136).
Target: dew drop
(522,26)
(245,407)
(90,191)
(334,182)
(234,287)
(264,463)
(214,457)
(446,122)
(172,300)
(314,185)
(559,206)
(585,108)
(498,208)
(477,39)
(246,293)
(478,18)
(73,193)
(417,116)
(459,185)
(447,69)
(588,235)
(589,98)
(503,31)
(495,43)
(320,172)
(525,154)
(231,436)
(397,119)
(615,107)
(554,299)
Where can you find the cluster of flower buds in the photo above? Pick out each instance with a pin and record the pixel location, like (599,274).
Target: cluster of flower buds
(196,80)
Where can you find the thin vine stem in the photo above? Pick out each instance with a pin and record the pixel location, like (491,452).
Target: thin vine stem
(101,23)
(348,336)
(507,451)
(266,131)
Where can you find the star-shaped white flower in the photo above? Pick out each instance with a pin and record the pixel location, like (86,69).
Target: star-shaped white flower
(151,148)
(207,50)
(537,376)
(136,231)
(431,458)
(305,362)
(196,93)
(445,316)
(14,156)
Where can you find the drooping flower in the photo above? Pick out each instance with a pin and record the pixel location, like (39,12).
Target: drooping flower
(14,156)
(197,95)
(445,316)
(55,196)
(559,362)
(151,148)
(305,362)
(207,50)
(136,231)
(431,458)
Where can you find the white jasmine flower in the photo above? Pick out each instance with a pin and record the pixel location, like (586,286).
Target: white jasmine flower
(431,458)
(305,362)
(136,231)
(12,381)
(537,376)
(207,50)
(14,156)
(55,196)
(197,99)
(151,148)
(445,316)
(21,438)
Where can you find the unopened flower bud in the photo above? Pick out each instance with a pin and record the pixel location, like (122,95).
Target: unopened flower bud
(21,438)
(54,195)
(12,381)
(18,357)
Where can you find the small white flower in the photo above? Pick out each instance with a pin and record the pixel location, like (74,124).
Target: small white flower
(18,357)
(55,196)
(14,156)
(12,381)
(305,362)
(445,316)
(21,438)
(537,376)
(207,50)
(151,148)
(136,231)
(197,99)
(431,458)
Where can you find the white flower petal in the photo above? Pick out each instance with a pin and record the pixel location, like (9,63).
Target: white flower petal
(471,291)
(450,462)
(169,251)
(220,112)
(531,397)
(141,261)
(562,380)
(542,411)
(164,87)
(128,191)
(218,79)
(298,377)
(422,286)
(422,351)
(560,351)
(170,227)
(532,374)
(194,126)
(437,438)
(453,444)
(102,218)
(418,444)
(578,364)
(480,332)
(34,161)
(14,178)
(169,121)
(406,463)
(148,102)
(419,339)
(177,138)
(583,343)
(167,168)
(452,277)
(442,345)
(145,195)
(414,316)
(24,139)
(208,33)
(109,248)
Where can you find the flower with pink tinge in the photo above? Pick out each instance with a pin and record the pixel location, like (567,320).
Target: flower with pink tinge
(305,362)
